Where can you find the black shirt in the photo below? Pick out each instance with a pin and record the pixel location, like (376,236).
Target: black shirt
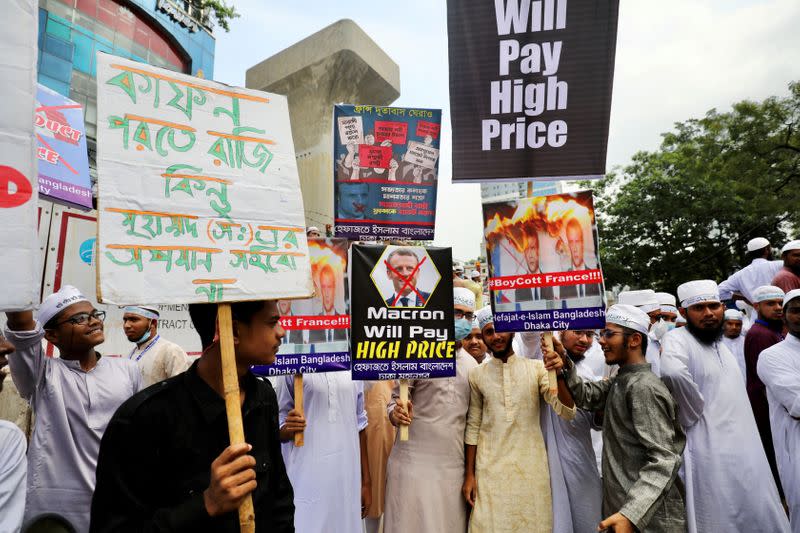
(155,460)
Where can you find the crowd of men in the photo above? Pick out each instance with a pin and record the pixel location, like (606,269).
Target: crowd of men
(690,406)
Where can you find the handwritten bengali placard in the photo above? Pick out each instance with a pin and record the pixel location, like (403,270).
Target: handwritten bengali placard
(198,193)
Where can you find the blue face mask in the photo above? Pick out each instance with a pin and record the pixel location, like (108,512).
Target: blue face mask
(146,335)
(463,327)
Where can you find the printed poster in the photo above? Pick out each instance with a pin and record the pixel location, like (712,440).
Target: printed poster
(544,267)
(199,196)
(19,241)
(530,88)
(63,158)
(317,328)
(402,312)
(386,162)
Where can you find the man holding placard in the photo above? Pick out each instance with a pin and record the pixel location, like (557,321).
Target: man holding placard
(193,480)
(73,395)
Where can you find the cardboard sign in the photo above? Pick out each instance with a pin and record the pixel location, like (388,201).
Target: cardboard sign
(198,191)
(425,129)
(422,154)
(402,321)
(395,132)
(544,267)
(351,130)
(18,219)
(374,156)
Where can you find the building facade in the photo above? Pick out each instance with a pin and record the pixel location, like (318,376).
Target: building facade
(164,33)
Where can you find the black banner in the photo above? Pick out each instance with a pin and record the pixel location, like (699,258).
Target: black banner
(402,312)
(530,87)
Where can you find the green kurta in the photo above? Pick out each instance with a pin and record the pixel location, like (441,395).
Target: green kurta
(642,447)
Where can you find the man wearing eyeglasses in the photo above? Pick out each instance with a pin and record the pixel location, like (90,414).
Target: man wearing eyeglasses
(73,396)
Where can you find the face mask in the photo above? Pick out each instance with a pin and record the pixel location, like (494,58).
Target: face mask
(661,328)
(463,327)
(146,335)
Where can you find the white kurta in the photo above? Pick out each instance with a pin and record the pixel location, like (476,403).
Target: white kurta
(326,471)
(745,281)
(729,486)
(779,369)
(159,359)
(575,484)
(736,346)
(653,354)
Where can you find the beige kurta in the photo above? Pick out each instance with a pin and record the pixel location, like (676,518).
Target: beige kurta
(380,436)
(511,464)
(426,472)
(159,359)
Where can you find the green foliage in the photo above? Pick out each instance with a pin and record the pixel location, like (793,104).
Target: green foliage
(687,210)
(219,10)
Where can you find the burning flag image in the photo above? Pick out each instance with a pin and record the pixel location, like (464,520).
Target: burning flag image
(543,257)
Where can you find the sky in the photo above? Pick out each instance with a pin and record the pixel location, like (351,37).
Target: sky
(675,60)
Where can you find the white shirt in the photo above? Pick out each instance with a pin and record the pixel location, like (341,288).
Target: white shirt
(729,485)
(736,346)
(758,273)
(159,359)
(779,369)
(13,475)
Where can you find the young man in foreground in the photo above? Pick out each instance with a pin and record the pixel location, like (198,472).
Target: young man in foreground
(165,463)
(642,439)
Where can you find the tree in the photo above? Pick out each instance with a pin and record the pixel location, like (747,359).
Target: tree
(687,210)
(219,10)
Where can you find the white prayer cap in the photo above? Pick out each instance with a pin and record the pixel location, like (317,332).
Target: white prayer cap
(791,245)
(645,299)
(147,312)
(464,296)
(484,316)
(767,292)
(733,314)
(475,324)
(58,301)
(680,319)
(667,302)
(312,228)
(475,274)
(757,244)
(628,316)
(698,291)
(791,295)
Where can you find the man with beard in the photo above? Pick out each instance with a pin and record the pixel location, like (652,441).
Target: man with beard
(728,483)
(765,332)
(13,462)
(642,438)
(788,278)
(779,369)
(73,397)
(732,337)
(507,480)
(425,472)
(157,358)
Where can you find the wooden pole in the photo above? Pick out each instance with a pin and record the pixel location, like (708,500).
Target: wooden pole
(233,403)
(551,375)
(404,401)
(298,405)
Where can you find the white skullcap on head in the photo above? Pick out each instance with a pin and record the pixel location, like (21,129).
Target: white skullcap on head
(146,312)
(733,314)
(791,295)
(475,274)
(475,324)
(757,244)
(680,320)
(484,316)
(58,301)
(312,228)
(645,299)
(628,316)
(767,292)
(667,302)
(464,296)
(458,268)
(698,291)
(791,245)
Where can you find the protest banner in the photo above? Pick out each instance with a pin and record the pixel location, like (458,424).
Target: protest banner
(386,172)
(530,87)
(402,312)
(317,328)
(544,267)
(18,197)
(63,158)
(197,203)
